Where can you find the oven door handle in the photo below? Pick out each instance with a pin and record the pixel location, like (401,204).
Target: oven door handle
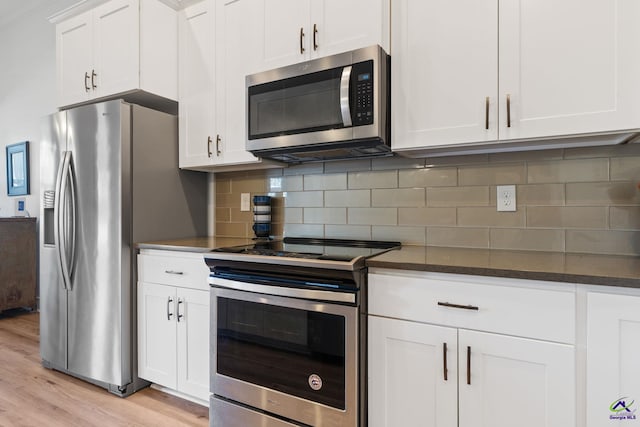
(345,297)
(345,107)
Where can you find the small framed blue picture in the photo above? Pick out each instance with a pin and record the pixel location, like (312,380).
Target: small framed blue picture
(18,169)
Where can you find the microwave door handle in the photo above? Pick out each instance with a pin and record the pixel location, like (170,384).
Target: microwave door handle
(345,107)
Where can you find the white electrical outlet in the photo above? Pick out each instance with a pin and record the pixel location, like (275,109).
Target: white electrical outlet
(245,202)
(506,200)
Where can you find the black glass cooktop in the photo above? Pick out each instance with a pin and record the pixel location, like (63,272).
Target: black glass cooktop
(312,248)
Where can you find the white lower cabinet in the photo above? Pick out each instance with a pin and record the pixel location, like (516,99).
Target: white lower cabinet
(613,352)
(173,323)
(407,385)
(451,374)
(506,381)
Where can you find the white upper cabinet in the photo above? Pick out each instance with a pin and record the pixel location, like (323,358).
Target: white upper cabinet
(74,52)
(238,31)
(478,71)
(116,46)
(196,85)
(119,46)
(299,30)
(444,72)
(286,32)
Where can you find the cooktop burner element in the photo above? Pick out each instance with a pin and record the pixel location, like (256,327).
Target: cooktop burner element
(331,253)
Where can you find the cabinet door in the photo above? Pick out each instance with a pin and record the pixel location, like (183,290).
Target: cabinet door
(287,35)
(197,84)
(341,26)
(117,47)
(239,29)
(74,52)
(569,66)
(444,71)
(515,381)
(407,385)
(613,351)
(157,334)
(193,342)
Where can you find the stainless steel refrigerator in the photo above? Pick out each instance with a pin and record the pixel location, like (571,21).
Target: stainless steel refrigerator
(109,177)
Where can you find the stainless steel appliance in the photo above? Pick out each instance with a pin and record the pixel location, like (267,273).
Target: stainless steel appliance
(289,333)
(109,177)
(325,109)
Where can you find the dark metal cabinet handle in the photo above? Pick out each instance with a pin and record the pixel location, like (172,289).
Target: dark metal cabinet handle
(508,110)
(315,37)
(86,83)
(464,307)
(468,365)
(169,313)
(444,357)
(301,41)
(93,76)
(218,151)
(180,316)
(486,113)
(209,141)
(180,273)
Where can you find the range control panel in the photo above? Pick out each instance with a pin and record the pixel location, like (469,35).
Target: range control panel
(362,86)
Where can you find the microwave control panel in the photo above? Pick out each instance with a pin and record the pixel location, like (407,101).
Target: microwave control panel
(363,86)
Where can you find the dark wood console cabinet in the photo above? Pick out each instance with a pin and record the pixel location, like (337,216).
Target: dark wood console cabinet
(18,263)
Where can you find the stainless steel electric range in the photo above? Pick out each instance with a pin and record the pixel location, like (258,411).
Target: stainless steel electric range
(288,332)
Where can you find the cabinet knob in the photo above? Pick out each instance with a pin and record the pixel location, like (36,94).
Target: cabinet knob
(508,110)
(209,141)
(301,41)
(86,84)
(218,151)
(93,76)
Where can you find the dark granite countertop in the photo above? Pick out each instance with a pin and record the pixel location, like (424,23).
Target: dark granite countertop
(609,270)
(194,244)
(18,218)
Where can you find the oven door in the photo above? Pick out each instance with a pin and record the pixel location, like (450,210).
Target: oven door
(291,357)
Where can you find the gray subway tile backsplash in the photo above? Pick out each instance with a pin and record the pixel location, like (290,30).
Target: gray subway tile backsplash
(583,201)
(378,179)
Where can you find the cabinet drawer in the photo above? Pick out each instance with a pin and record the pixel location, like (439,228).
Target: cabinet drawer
(504,306)
(174,268)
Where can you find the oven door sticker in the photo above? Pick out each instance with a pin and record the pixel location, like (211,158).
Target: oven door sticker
(621,409)
(315,382)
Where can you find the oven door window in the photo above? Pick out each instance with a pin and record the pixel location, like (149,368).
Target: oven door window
(298,352)
(301,104)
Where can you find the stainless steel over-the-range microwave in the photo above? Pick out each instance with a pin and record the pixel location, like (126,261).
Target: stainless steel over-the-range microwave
(328,108)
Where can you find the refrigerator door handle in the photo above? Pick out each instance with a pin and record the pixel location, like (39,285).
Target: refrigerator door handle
(71,232)
(61,228)
(57,220)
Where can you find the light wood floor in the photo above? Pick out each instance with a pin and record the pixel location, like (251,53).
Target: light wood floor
(31,395)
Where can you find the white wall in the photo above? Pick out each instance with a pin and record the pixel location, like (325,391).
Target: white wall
(27,90)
